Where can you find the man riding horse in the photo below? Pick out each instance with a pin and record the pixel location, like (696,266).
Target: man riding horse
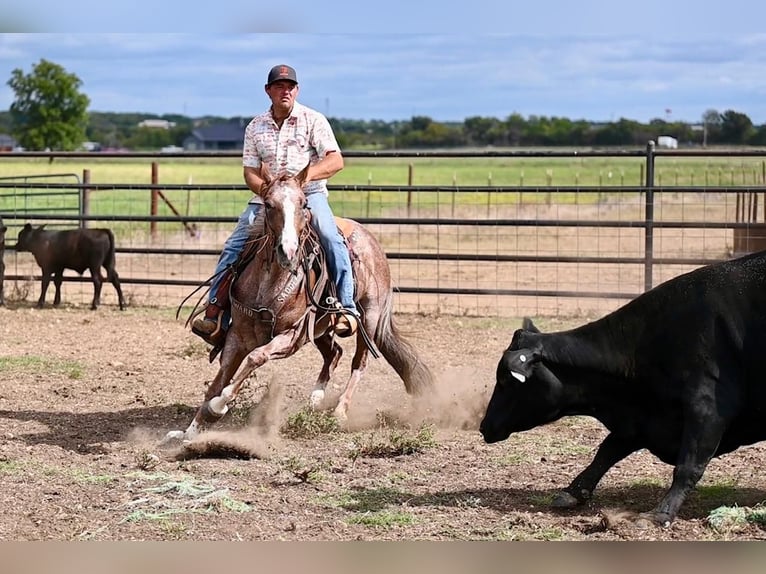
(285,138)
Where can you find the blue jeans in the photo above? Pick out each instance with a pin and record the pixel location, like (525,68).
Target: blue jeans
(231,250)
(338,260)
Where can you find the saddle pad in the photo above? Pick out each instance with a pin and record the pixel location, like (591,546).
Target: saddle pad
(346,226)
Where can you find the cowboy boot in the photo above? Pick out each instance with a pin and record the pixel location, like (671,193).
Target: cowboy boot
(209,326)
(346,322)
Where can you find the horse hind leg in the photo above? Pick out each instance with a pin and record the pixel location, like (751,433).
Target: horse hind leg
(358,368)
(331,352)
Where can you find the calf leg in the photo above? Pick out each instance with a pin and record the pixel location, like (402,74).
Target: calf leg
(611,451)
(46,280)
(2,279)
(58,277)
(95,275)
(114,279)
(331,352)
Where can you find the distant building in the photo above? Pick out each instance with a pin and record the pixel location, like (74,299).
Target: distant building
(7,143)
(217,137)
(156,124)
(668,142)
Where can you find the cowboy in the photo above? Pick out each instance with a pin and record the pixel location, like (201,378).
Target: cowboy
(285,138)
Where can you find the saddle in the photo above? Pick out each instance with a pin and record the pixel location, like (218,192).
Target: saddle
(320,290)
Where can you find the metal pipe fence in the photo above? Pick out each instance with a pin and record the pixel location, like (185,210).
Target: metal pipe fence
(467,250)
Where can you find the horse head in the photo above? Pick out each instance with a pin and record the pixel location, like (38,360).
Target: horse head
(286,214)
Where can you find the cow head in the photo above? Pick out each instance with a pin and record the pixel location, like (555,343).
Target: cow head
(27,236)
(527,393)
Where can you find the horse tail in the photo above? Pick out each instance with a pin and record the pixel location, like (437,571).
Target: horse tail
(400,353)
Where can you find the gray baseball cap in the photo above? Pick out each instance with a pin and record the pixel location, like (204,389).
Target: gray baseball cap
(282,72)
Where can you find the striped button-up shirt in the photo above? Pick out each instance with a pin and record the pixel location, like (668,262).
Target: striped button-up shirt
(305,136)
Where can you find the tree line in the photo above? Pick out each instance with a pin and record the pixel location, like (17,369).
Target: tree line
(51,112)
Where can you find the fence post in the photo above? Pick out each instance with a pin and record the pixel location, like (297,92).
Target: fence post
(409,188)
(153,201)
(649,217)
(84,199)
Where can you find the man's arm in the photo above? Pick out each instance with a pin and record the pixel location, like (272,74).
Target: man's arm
(326,167)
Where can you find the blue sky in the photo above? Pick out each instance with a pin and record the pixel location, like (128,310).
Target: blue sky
(591,60)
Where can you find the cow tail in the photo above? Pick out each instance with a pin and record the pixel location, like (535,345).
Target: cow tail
(110,257)
(400,353)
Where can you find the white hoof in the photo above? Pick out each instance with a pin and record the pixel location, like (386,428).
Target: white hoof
(173,437)
(340,415)
(317,397)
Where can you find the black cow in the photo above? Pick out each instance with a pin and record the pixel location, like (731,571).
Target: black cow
(3,229)
(679,371)
(77,249)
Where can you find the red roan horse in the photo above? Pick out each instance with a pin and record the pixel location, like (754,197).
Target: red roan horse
(277,305)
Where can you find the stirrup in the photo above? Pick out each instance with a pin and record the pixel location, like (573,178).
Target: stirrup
(218,335)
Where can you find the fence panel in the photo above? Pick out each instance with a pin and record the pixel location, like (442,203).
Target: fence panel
(487,250)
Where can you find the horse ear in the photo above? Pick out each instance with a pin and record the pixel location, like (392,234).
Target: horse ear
(266,174)
(303,175)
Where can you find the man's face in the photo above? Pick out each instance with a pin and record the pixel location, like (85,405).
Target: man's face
(282,94)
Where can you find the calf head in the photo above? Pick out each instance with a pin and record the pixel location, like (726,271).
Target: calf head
(527,394)
(27,237)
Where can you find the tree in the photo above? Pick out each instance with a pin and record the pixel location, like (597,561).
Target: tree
(736,128)
(49,111)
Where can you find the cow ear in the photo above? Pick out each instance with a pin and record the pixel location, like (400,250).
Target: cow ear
(528,325)
(27,227)
(41,227)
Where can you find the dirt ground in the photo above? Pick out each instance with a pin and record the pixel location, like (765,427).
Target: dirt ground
(86,396)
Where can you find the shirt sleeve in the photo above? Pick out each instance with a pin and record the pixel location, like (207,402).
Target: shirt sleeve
(322,138)
(250,157)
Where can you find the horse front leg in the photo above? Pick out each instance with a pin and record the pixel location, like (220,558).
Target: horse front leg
(331,353)
(231,357)
(219,395)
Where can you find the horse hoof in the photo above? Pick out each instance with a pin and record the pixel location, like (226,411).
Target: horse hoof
(316,399)
(341,416)
(173,438)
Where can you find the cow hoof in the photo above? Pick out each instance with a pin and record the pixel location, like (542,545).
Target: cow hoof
(649,519)
(565,500)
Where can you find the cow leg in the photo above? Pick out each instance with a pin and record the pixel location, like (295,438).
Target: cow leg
(95,275)
(331,352)
(699,444)
(611,451)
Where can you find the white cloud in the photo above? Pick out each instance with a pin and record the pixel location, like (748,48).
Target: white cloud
(395,76)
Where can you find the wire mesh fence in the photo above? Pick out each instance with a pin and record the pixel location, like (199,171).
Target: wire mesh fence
(484,250)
